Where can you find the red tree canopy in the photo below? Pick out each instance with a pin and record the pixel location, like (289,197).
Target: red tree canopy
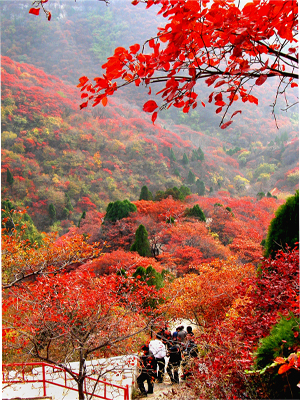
(230,48)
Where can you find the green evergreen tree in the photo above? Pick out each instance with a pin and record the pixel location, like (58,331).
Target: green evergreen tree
(195,212)
(176,172)
(200,154)
(118,210)
(172,155)
(284,228)
(200,187)
(170,220)
(260,195)
(9,177)
(145,194)
(7,221)
(159,195)
(68,203)
(185,159)
(194,155)
(52,212)
(141,243)
(218,205)
(174,192)
(150,276)
(191,177)
(185,191)
(65,213)
(81,218)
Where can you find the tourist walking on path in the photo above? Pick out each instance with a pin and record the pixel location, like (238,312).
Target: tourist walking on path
(190,332)
(181,334)
(158,349)
(174,352)
(175,334)
(148,373)
(190,354)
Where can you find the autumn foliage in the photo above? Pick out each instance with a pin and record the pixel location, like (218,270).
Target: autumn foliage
(196,44)
(259,304)
(95,288)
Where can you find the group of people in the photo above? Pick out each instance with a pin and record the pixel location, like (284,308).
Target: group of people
(179,347)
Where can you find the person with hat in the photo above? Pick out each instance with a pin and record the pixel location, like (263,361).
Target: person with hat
(148,372)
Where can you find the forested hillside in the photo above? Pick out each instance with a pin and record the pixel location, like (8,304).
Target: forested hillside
(114,226)
(109,153)
(58,155)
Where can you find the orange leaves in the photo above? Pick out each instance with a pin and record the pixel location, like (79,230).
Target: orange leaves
(197,40)
(208,294)
(292,361)
(83,80)
(164,38)
(284,368)
(34,11)
(120,50)
(24,260)
(192,5)
(252,99)
(64,311)
(134,49)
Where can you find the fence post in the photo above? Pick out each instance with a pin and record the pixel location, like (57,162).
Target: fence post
(44,380)
(126,393)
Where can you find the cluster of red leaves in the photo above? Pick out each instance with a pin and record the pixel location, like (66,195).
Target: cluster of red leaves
(260,302)
(117,260)
(207,294)
(74,310)
(198,44)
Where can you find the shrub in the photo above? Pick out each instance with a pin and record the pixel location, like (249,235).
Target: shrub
(284,228)
(118,210)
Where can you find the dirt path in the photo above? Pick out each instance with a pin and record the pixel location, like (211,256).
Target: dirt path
(160,389)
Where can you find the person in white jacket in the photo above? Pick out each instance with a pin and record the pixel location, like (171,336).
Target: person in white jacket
(158,349)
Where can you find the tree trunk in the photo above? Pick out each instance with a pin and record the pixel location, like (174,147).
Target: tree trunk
(81,395)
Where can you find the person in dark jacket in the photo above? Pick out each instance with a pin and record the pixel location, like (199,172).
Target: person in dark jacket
(189,330)
(148,373)
(190,355)
(174,352)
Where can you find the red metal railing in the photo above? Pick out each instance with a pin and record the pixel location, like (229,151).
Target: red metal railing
(32,377)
